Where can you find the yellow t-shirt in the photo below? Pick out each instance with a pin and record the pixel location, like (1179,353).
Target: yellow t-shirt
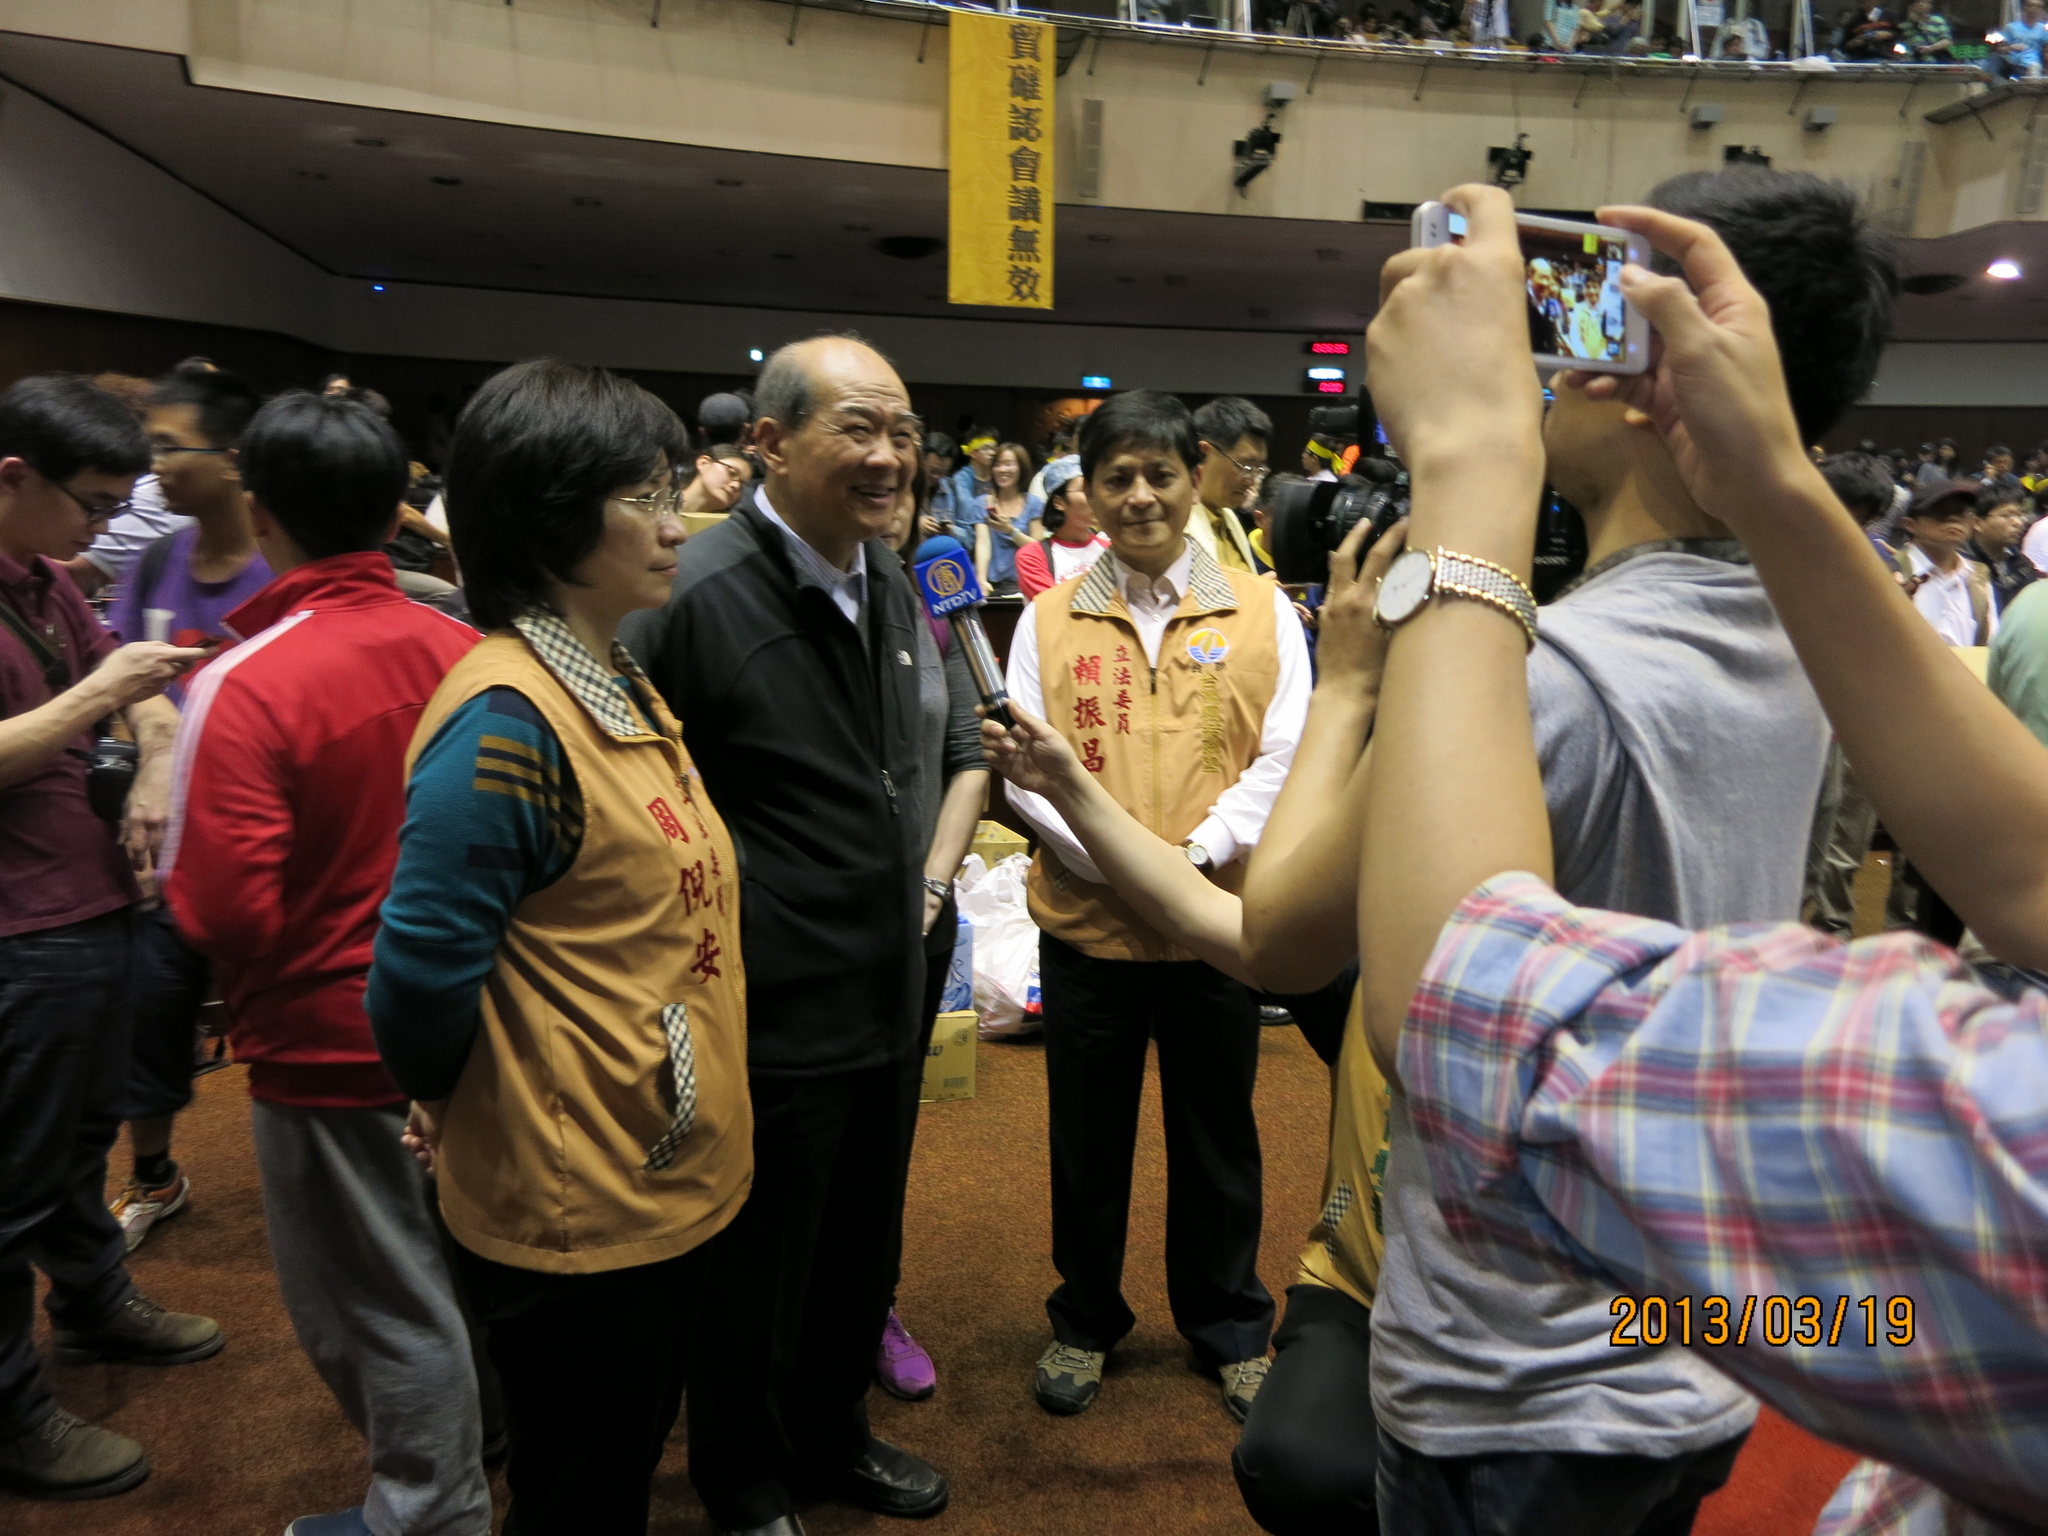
(1345,1244)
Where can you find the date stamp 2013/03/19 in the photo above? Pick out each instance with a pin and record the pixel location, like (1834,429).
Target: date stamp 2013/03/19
(1805,1320)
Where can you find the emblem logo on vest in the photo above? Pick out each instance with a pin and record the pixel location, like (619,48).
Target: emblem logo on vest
(1208,646)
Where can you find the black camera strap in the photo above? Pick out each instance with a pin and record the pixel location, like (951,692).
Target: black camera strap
(55,669)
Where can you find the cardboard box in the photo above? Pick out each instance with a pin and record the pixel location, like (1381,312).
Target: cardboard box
(949,1064)
(996,842)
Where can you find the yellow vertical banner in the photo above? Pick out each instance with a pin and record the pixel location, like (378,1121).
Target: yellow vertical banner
(999,161)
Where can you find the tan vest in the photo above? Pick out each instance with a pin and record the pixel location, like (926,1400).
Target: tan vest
(571,1086)
(1164,743)
(1345,1245)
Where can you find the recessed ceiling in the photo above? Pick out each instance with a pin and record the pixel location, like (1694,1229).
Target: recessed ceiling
(398,197)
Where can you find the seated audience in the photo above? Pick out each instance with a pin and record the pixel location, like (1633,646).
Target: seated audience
(290,789)
(70,455)
(553,983)
(1927,34)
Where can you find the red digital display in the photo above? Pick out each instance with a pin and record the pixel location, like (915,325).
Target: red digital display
(1329,386)
(1329,349)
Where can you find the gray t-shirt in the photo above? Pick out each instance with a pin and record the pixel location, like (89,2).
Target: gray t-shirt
(1681,748)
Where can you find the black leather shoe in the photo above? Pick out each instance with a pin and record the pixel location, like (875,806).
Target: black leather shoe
(891,1481)
(782,1525)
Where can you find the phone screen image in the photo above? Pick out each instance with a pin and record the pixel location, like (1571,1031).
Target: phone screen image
(1575,304)
(1574,282)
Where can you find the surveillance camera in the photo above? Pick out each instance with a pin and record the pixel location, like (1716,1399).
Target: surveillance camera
(1279,93)
(1510,167)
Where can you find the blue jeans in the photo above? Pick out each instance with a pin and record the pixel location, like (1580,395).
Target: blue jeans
(1546,1493)
(64,1028)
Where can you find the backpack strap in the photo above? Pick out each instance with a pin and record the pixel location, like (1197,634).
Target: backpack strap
(149,573)
(55,669)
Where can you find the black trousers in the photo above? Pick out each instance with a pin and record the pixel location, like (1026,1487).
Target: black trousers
(1099,1014)
(1546,1493)
(592,1370)
(64,1028)
(799,1287)
(171,981)
(1306,1460)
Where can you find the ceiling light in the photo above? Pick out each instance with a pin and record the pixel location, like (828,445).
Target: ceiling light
(754,354)
(2005,269)
(587,202)
(371,143)
(446,181)
(310,175)
(1095,381)
(726,181)
(858,229)
(376,287)
(1102,239)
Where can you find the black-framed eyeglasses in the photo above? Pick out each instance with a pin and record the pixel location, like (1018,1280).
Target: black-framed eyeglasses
(172,450)
(87,507)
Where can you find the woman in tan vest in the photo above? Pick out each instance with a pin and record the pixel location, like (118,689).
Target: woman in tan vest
(557,982)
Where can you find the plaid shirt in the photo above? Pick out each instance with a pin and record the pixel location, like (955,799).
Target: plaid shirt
(1762,1112)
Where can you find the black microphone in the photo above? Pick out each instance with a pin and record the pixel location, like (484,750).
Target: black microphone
(951,592)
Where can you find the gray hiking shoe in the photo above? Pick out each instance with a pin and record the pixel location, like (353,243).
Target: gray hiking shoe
(1241,1382)
(1068,1378)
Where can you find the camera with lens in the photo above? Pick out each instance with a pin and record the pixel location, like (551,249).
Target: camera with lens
(1312,518)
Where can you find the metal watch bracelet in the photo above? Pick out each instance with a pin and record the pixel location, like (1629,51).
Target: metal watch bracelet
(1481,581)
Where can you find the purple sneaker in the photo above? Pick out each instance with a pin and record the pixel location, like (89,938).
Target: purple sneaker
(902,1366)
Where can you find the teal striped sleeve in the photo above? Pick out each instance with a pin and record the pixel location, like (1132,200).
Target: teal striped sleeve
(492,814)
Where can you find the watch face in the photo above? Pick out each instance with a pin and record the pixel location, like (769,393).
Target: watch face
(1405,587)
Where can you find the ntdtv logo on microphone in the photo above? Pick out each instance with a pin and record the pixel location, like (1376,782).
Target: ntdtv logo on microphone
(947,585)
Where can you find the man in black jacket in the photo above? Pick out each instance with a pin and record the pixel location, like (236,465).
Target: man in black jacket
(809,686)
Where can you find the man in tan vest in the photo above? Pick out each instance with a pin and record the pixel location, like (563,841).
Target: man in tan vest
(1234,435)
(1182,686)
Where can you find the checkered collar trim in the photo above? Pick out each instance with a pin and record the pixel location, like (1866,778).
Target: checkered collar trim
(577,670)
(1207,585)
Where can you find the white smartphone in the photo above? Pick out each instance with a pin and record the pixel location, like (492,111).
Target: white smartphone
(1577,315)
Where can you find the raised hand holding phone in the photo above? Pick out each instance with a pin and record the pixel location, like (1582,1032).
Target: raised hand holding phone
(1716,388)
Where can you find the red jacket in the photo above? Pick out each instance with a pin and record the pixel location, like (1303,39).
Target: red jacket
(288,789)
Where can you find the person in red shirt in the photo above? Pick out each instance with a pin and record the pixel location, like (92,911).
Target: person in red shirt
(1073,545)
(69,458)
(287,793)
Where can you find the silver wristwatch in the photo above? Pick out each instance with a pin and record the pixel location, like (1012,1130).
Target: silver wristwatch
(1421,574)
(939,888)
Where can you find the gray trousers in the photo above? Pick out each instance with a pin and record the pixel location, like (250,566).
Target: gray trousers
(371,1297)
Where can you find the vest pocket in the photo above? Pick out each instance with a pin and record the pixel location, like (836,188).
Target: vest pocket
(679,1090)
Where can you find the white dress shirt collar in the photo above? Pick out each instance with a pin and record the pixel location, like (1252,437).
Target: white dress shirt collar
(1153,600)
(847,588)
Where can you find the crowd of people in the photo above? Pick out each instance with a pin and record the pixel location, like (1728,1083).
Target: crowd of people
(584,984)
(1918,33)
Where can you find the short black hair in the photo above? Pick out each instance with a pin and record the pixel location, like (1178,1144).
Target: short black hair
(227,402)
(723,418)
(1860,483)
(1146,418)
(1992,497)
(536,452)
(942,445)
(1827,273)
(59,424)
(328,468)
(1996,451)
(1229,418)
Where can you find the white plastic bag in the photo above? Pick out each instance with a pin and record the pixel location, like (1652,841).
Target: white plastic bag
(1005,946)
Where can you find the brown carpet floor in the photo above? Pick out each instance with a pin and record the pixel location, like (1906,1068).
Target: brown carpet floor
(248,1440)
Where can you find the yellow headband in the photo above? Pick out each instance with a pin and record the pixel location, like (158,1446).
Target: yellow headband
(986,440)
